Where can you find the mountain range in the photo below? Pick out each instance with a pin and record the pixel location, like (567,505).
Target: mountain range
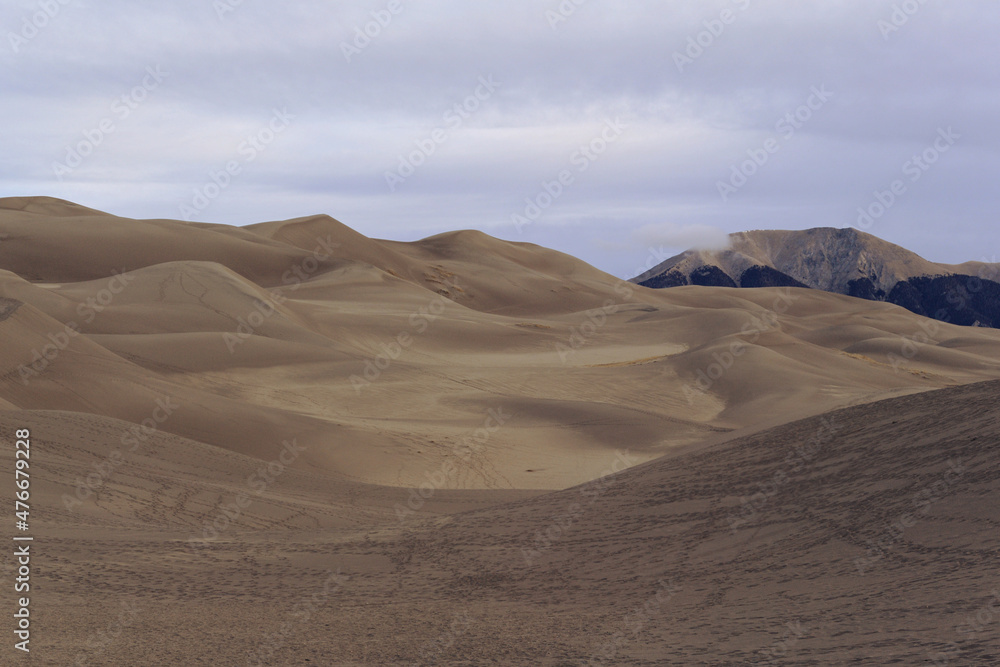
(843,261)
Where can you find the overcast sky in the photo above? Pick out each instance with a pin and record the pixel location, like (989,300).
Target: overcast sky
(629,125)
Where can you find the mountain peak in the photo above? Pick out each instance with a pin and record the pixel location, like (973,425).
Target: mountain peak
(823,258)
(844,261)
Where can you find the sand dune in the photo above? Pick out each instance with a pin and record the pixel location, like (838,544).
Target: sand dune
(224,414)
(307,329)
(864,535)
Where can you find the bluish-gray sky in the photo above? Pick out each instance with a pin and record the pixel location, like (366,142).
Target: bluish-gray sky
(622,122)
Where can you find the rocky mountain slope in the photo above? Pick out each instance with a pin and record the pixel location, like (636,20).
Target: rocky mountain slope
(844,261)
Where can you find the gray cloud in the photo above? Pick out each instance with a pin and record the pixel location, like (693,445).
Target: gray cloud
(687,127)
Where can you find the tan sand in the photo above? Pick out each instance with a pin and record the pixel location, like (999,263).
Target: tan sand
(497,375)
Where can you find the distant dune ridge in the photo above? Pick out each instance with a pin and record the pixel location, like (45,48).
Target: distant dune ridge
(494,441)
(306,328)
(844,261)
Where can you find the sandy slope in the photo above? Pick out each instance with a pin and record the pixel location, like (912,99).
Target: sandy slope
(382,358)
(779,546)
(223,415)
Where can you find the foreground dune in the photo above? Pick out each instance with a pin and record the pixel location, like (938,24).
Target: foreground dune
(865,535)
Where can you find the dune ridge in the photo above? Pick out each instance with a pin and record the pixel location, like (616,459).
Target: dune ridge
(465,450)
